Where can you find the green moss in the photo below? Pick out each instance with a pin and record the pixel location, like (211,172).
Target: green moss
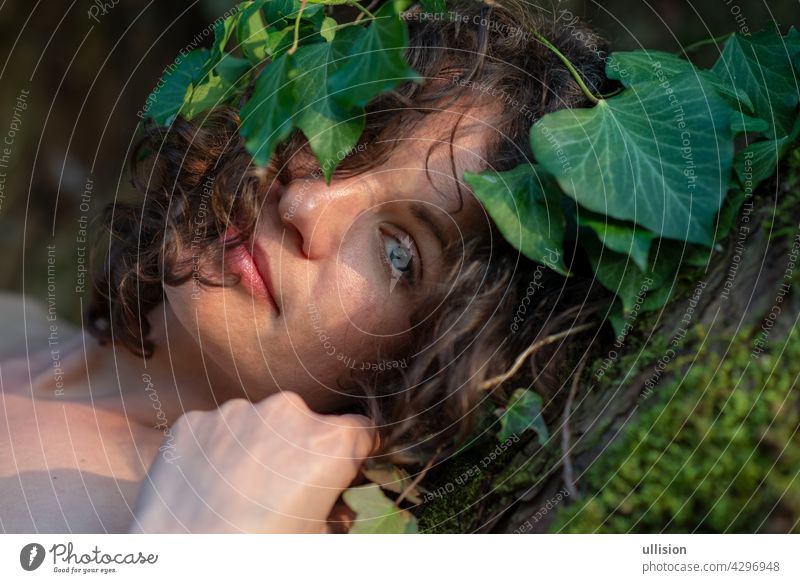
(457,487)
(717,452)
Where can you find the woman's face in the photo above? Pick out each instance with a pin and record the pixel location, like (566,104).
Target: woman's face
(334,271)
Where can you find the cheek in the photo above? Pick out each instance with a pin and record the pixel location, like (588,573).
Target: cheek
(360,294)
(222,321)
(351,316)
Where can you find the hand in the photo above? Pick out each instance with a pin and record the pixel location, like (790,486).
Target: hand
(273,466)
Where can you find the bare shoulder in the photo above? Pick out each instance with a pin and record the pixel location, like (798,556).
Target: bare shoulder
(27,321)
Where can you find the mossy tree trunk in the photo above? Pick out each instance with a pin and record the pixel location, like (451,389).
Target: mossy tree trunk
(691,424)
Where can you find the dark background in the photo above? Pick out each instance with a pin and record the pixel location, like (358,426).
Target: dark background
(87,80)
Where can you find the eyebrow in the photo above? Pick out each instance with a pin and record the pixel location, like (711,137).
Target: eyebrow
(421,212)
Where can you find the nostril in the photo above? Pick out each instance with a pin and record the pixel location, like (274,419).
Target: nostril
(293,237)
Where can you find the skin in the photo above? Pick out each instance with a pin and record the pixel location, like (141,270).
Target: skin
(229,427)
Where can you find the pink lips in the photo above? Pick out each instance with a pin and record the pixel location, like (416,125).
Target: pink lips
(253,271)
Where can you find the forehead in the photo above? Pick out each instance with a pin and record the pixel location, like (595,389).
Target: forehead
(428,162)
(441,147)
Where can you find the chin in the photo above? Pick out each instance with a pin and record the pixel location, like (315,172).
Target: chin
(225,325)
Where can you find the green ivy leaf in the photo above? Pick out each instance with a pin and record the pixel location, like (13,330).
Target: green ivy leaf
(331,129)
(699,256)
(621,236)
(211,93)
(524,204)
(222,34)
(233,69)
(619,274)
(626,157)
(279,41)
(730,211)
(252,33)
(215,80)
(268,116)
(167,98)
(744,124)
(761,65)
(328,28)
(523,412)
(282,13)
(759,160)
(634,67)
(375,61)
(377,514)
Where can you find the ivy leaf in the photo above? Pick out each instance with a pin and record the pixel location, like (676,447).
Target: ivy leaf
(282,13)
(269,26)
(394,479)
(213,91)
(744,124)
(618,273)
(620,236)
(698,256)
(730,211)
(377,514)
(214,81)
(617,319)
(168,96)
(523,412)
(628,157)
(524,204)
(634,67)
(233,69)
(280,41)
(375,61)
(759,160)
(331,129)
(222,34)
(761,65)
(252,33)
(328,28)
(268,116)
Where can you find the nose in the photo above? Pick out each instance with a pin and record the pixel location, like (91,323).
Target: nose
(320,213)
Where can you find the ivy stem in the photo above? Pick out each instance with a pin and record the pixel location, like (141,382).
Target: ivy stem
(364,11)
(522,358)
(568,471)
(612,94)
(415,482)
(570,67)
(292,50)
(704,42)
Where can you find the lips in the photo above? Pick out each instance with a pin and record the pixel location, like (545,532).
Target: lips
(253,270)
(259,258)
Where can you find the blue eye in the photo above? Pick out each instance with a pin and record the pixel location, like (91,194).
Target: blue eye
(399,256)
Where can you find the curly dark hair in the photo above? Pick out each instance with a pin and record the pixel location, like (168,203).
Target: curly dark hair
(498,303)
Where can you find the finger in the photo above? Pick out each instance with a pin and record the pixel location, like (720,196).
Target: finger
(370,439)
